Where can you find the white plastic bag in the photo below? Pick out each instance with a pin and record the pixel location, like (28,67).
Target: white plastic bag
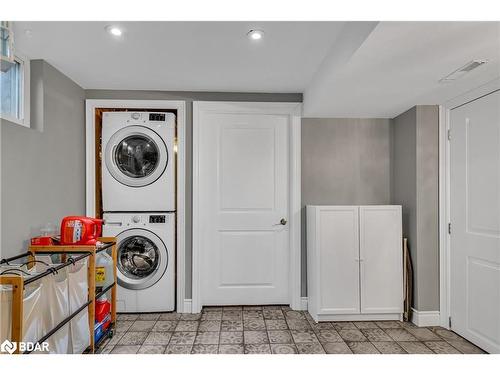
(78,295)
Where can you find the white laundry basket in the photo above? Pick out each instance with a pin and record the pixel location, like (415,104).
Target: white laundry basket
(78,296)
(33,325)
(55,292)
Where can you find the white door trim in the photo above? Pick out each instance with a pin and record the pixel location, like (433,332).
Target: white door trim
(444,192)
(180,106)
(294,110)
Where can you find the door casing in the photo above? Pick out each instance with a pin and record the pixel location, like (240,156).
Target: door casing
(294,111)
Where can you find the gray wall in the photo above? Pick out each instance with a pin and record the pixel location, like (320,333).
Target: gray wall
(344,161)
(189,97)
(43,167)
(414,185)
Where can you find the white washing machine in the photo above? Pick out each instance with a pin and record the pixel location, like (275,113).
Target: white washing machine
(145,260)
(138,161)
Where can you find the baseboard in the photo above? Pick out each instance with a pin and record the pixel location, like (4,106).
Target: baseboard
(303,303)
(188,302)
(425,318)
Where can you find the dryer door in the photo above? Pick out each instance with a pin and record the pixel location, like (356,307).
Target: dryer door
(142,259)
(136,156)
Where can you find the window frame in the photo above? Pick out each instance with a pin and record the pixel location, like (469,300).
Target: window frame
(24,97)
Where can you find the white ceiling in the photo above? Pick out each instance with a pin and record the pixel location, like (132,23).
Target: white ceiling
(204,56)
(345,69)
(399,65)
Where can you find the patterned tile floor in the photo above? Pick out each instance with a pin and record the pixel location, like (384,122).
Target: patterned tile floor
(274,329)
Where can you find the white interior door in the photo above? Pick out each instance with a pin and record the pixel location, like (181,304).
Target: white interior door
(242,195)
(475,218)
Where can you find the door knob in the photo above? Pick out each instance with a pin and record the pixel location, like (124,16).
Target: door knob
(283,221)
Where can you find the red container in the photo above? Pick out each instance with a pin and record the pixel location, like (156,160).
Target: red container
(42,241)
(80,230)
(102,309)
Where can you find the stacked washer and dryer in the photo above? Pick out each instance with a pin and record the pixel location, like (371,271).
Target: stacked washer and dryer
(138,200)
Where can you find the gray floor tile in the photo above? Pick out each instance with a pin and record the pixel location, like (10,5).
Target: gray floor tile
(328,335)
(415,347)
(310,348)
(336,348)
(352,335)
(343,325)
(400,334)
(205,349)
(231,349)
(441,347)
(257,349)
(123,325)
(148,317)
(125,349)
(252,314)
(465,347)
(280,337)
(276,324)
(142,326)
(207,338)
(283,349)
(152,349)
(183,338)
(254,325)
(423,334)
(133,338)
(389,324)
(209,326)
(376,334)
(165,325)
(190,317)
(131,317)
(389,347)
(302,337)
(158,338)
(362,347)
(365,325)
(178,349)
(255,337)
(232,325)
(170,316)
(187,326)
(273,314)
(231,337)
(211,315)
(297,324)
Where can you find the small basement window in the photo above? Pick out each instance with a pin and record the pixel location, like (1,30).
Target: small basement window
(15,91)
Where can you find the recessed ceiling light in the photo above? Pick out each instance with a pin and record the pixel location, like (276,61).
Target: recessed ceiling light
(114,30)
(255,34)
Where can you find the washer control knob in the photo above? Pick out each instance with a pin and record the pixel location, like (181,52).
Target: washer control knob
(136,219)
(136,116)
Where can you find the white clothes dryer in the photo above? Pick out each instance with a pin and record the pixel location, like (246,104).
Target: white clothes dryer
(138,161)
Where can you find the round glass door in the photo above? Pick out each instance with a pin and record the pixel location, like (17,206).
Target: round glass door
(136,156)
(141,259)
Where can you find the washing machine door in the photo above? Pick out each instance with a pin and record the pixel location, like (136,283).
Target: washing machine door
(136,156)
(142,259)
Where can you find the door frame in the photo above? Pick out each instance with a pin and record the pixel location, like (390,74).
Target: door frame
(180,106)
(294,111)
(444,194)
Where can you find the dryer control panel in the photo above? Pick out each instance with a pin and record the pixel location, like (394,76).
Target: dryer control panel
(157,219)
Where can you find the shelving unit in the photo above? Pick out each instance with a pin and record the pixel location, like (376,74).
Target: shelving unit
(18,283)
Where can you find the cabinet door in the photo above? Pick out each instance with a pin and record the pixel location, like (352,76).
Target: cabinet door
(338,260)
(381,262)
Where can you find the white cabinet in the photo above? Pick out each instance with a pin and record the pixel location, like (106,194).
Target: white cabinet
(354,262)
